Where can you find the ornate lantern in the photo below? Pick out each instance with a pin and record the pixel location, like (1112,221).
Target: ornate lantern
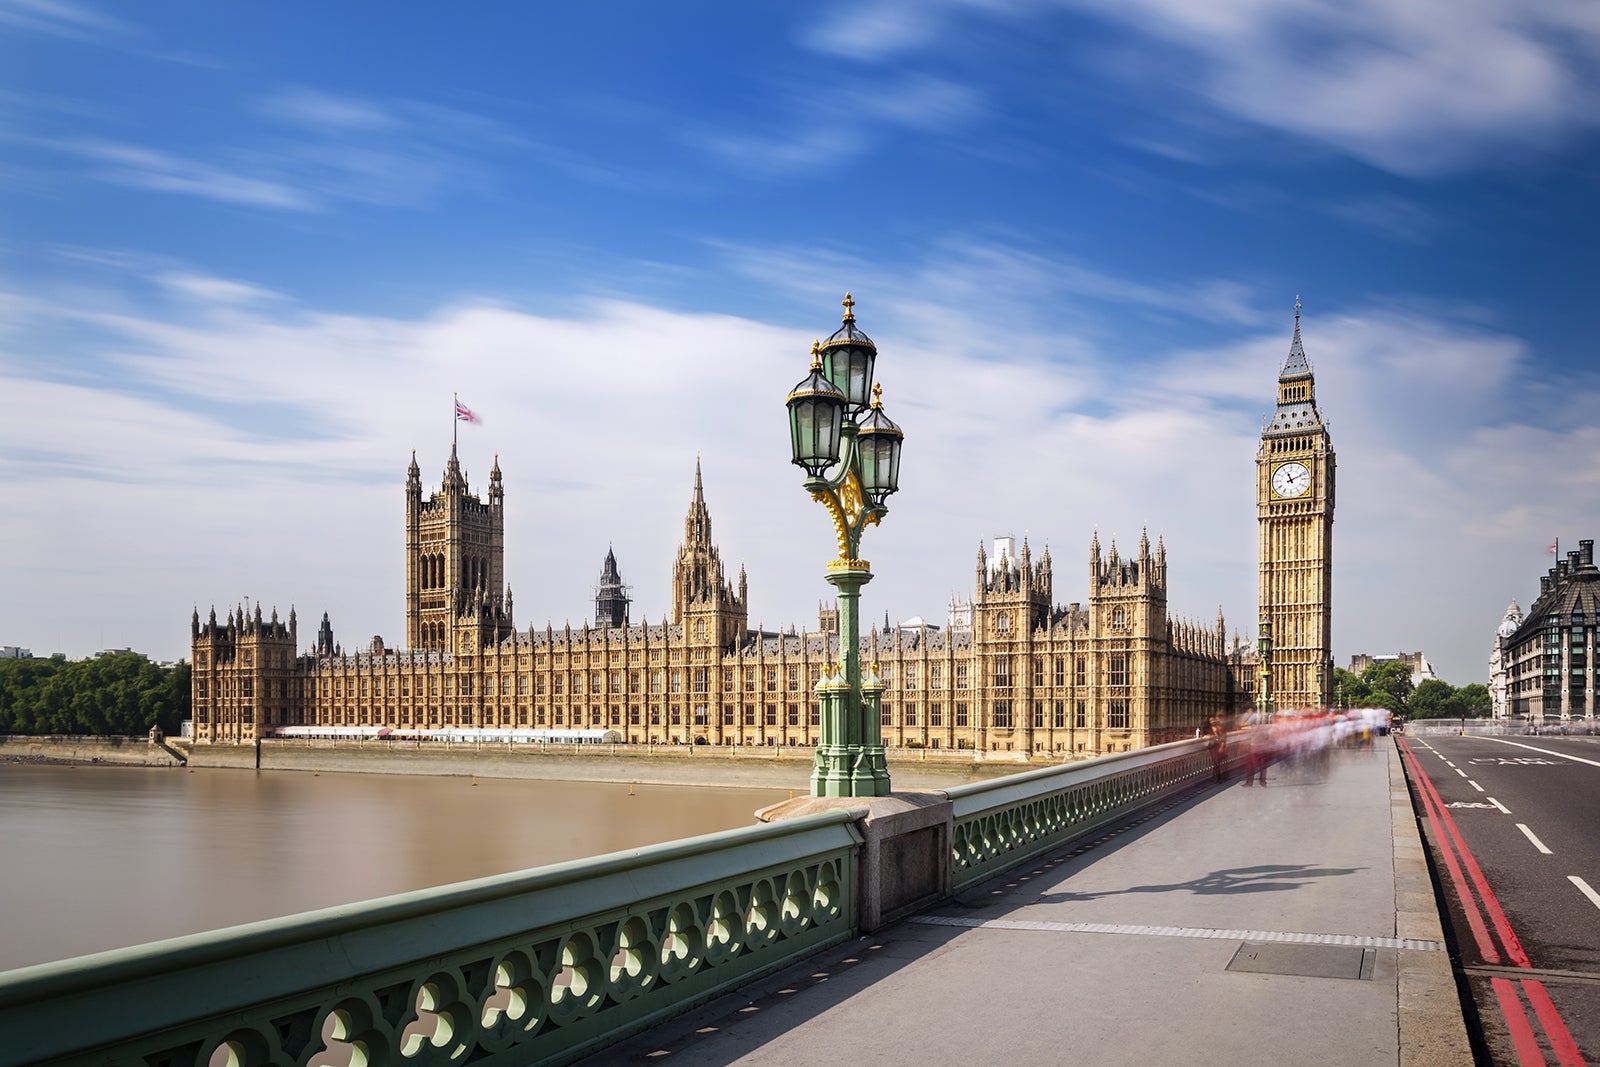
(879,441)
(847,359)
(816,413)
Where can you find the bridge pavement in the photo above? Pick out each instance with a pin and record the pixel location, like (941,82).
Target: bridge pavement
(1138,948)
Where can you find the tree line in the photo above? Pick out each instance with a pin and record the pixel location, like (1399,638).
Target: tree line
(121,693)
(1388,685)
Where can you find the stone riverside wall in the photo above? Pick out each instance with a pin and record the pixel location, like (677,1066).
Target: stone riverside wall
(128,751)
(659,765)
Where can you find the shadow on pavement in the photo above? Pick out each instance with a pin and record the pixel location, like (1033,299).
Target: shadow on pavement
(1267,878)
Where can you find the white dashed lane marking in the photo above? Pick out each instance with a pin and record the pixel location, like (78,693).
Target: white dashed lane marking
(1475,785)
(1179,931)
(1461,772)
(1585,889)
(1499,805)
(1530,836)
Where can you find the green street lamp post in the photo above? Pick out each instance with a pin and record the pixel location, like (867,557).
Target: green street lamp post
(850,451)
(1264,685)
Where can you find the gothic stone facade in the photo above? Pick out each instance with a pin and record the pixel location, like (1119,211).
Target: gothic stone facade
(1016,674)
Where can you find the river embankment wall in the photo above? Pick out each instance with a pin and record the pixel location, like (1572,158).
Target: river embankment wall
(782,768)
(124,751)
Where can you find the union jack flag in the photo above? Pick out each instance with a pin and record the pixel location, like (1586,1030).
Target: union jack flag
(466,414)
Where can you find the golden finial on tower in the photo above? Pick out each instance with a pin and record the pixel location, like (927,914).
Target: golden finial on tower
(849,308)
(816,355)
(877,395)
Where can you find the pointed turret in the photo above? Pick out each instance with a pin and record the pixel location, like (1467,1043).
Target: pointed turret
(611,601)
(414,475)
(453,479)
(1296,365)
(194,623)
(1144,543)
(1297,391)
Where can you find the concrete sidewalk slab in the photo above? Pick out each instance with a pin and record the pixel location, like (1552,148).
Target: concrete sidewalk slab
(1325,858)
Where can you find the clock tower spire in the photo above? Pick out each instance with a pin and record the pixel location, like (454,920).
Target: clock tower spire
(1294,510)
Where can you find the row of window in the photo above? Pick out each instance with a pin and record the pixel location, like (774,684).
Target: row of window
(1045,715)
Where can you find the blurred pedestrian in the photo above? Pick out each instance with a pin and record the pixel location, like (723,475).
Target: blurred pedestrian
(1217,744)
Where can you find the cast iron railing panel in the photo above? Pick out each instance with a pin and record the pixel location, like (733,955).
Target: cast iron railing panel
(1008,821)
(540,966)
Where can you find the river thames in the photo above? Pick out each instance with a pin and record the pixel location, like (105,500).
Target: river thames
(96,857)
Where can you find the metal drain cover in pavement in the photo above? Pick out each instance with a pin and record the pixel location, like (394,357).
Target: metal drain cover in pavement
(1308,961)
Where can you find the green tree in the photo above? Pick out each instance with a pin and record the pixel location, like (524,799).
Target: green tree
(1389,684)
(1349,686)
(1433,699)
(123,693)
(1475,700)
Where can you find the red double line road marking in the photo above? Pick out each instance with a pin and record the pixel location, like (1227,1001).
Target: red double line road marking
(1491,904)
(1447,833)
(1480,932)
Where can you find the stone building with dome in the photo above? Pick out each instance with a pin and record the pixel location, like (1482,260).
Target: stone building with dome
(1499,690)
(1548,655)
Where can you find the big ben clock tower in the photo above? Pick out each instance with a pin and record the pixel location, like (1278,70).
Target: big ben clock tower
(1294,506)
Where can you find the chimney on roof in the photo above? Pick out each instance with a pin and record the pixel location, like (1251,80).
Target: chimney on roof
(1586,552)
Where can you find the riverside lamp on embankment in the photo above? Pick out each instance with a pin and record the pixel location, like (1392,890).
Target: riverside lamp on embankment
(850,451)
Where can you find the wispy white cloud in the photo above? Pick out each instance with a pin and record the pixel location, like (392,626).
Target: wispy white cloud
(329,112)
(1417,87)
(829,125)
(211,290)
(148,168)
(1400,220)
(320,151)
(262,448)
(60,18)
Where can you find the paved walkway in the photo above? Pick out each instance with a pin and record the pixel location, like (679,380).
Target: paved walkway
(1291,924)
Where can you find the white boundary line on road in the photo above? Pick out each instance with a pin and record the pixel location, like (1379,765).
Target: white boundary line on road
(1530,836)
(1179,931)
(1499,805)
(1546,751)
(1585,889)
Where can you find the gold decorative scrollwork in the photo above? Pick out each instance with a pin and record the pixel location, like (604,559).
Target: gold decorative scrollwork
(850,499)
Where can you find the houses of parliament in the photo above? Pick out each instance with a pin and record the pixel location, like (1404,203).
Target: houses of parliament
(1012,671)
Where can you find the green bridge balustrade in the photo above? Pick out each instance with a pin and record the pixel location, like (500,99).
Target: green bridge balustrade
(1006,822)
(551,964)
(538,966)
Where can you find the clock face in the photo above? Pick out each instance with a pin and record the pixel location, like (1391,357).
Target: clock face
(1291,480)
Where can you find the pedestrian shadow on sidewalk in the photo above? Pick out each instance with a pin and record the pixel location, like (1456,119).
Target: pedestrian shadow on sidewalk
(1266,878)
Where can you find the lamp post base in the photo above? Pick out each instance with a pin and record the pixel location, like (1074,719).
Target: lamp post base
(850,758)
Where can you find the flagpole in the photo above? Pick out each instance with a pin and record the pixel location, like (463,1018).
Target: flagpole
(455,419)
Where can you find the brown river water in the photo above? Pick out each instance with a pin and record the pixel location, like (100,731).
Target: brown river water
(93,858)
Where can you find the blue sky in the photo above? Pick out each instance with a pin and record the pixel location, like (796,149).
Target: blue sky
(248,251)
